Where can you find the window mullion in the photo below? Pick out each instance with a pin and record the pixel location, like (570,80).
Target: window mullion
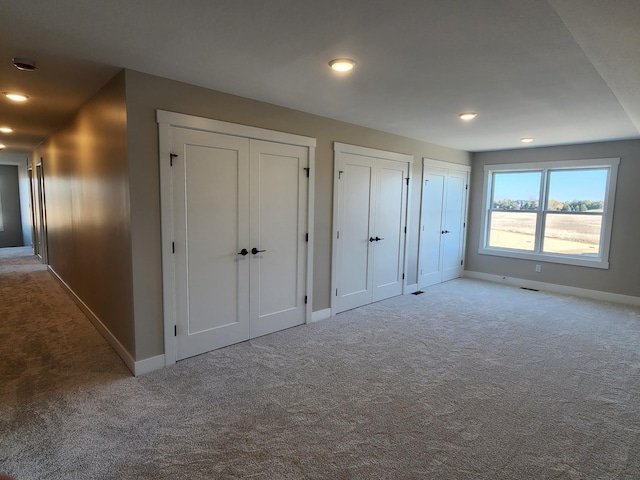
(542,208)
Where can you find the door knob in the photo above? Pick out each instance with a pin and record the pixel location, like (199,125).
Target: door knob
(254,250)
(379,238)
(445,231)
(371,239)
(243,252)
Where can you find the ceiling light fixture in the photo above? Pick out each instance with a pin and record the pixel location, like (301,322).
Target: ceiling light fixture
(2,146)
(526,140)
(6,129)
(468,116)
(24,64)
(16,97)
(342,64)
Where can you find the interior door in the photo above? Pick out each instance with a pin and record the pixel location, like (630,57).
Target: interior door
(388,225)
(431,231)
(453,221)
(442,224)
(278,230)
(211,221)
(354,256)
(370,235)
(34,230)
(41,212)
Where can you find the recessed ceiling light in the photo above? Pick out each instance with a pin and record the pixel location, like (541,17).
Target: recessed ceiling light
(526,140)
(24,64)
(342,64)
(2,145)
(16,97)
(6,129)
(468,116)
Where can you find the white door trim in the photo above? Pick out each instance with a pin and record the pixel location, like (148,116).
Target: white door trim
(373,153)
(165,121)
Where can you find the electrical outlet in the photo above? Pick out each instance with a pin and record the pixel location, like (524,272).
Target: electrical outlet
(538,268)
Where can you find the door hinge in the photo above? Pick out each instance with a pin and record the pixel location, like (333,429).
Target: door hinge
(171,157)
(464,225)
(306,237)
(403,276)
(461,262)
(405,229)
(407,179)
(173,247)
(340,172)
(336,292)
(466,187)
(338,235)
(175,330)
(305,299)
(307,169)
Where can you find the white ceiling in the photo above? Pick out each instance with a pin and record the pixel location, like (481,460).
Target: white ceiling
(561,71)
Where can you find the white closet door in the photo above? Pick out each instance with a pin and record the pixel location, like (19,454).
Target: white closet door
(453,220)
(211,221)
(442,223)
(389,222)
(370,218)
(278,226)
(431,235)
(355,216)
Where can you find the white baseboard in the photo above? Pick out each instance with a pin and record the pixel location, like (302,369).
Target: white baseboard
(149,365)
(93,318)
(552,287)
(409,289)
(320,315)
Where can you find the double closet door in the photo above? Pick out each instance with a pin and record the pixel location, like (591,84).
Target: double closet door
(370,213)
(239,219)
(442,222)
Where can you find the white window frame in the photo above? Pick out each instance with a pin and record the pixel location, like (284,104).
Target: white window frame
(607,214)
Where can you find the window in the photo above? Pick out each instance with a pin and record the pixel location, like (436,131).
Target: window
(557,212)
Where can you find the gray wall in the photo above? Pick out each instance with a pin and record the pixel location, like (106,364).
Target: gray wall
(146,93)
(11,235)
(623,275)
(87,208)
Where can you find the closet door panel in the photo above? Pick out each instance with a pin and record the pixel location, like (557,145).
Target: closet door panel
(354,229)
(278,223)
(431,228)
(388,252)
(211,214)
(453,220)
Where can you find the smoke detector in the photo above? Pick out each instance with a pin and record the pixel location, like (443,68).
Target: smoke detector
(24,64)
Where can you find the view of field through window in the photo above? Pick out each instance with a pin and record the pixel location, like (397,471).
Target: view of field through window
(572,216)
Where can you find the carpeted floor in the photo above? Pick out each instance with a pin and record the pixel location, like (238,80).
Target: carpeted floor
(469,380)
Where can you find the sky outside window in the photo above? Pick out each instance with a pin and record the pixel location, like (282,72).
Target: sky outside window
(566,186)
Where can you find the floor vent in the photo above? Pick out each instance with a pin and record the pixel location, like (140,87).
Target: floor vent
(417,293)
(532,289)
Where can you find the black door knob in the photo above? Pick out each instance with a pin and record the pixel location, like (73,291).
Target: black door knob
(243,252)
(379,238)
(254,250)
(371,239)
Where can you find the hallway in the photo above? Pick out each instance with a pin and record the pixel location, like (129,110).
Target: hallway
(48,346)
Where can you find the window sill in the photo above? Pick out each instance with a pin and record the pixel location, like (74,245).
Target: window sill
(580,261)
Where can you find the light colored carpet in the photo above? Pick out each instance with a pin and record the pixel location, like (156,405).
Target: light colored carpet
(469,380)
